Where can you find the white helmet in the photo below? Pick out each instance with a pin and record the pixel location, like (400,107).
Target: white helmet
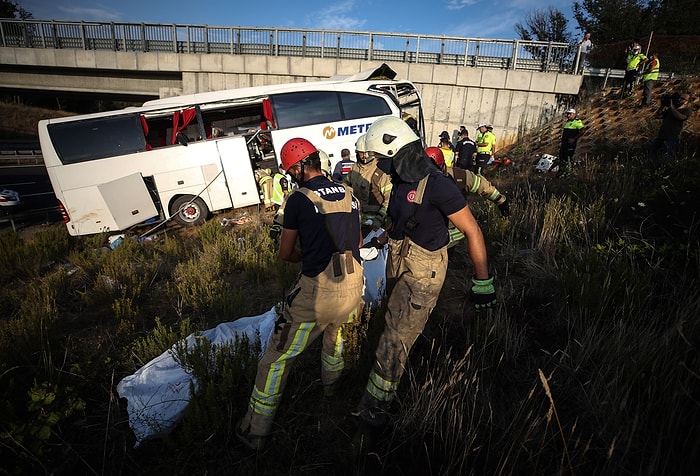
(389,134)
(325,163)
(361,144)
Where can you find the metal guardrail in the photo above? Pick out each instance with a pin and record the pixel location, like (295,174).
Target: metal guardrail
(374,46)
(20,152)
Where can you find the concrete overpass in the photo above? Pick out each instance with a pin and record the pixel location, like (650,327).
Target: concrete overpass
(513,93)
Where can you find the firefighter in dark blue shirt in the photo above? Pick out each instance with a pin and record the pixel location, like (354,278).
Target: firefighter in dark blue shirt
(423,201)
(323,218)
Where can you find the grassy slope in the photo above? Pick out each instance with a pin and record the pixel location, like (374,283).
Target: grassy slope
(602,384)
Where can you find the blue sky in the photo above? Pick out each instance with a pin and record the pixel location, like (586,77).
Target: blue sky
(463,18)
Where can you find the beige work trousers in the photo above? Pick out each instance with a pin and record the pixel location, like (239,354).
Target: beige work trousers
(315,306)
(414,279)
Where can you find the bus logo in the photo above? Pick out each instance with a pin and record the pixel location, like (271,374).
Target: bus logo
(329,132)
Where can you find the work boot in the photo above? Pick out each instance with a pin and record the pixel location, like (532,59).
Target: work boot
(251,442)
(330,390)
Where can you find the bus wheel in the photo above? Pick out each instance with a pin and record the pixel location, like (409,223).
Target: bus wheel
(194,213)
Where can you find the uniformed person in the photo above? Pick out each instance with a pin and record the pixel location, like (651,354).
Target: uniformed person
(371,186)
(322,218)
(573,129)
(485,147)
(423,201)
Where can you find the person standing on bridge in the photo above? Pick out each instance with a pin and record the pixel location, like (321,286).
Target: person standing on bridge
(585,47)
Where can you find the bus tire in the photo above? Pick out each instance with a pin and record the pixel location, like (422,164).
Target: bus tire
(196,213)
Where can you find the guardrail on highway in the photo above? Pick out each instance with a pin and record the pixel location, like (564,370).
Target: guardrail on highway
(20,152)
(374,46)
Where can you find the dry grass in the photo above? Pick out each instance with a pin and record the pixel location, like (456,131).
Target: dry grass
(588,365)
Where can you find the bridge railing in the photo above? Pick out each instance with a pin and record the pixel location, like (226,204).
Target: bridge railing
(374,46)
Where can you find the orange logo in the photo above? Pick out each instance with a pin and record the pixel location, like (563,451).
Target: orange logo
(328,132)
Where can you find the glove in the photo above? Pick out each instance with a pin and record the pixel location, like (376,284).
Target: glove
(504,208)
(275,231)
(483,293)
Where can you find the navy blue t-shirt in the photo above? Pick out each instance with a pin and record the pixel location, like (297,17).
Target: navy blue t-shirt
(440,199)
(315,239)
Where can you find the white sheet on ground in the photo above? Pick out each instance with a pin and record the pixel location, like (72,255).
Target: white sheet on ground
(375,273)
(158,393)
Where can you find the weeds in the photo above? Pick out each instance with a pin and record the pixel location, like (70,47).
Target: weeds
(588,365)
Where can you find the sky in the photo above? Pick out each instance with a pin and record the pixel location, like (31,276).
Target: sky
(461,18)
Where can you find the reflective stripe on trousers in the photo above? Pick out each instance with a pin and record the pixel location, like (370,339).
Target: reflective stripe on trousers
(318,305)
(416,276)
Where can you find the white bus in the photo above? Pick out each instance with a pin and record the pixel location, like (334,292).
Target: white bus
(188,156)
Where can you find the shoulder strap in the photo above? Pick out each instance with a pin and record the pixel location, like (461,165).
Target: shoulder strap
(417,202)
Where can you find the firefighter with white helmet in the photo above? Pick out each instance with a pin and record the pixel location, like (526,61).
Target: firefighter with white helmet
(423,201)
(322,217)
(371,186)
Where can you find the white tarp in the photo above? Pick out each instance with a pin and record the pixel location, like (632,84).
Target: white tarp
(375,273)
(159,392)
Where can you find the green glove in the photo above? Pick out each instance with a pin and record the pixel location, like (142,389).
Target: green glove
(504,208)
(483,293)
(275,231)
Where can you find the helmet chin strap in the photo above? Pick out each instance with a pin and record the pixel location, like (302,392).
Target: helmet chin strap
(301,171)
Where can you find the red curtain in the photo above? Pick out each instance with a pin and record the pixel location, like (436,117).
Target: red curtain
(187,116)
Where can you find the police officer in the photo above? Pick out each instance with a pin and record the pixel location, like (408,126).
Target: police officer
(371,186)
(323,218)
(633,59)
(485,147)
(423,200)
(573,129)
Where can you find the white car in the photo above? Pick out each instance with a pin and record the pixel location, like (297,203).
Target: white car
(9,200)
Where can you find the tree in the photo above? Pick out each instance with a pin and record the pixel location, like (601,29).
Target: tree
(612,21)
(544,25)
(10,9)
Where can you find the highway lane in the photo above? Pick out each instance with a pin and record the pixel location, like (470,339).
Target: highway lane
(38,200)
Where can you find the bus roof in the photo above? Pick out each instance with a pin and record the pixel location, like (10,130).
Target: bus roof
(361,81)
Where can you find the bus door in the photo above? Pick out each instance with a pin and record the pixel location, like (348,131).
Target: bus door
(238,171)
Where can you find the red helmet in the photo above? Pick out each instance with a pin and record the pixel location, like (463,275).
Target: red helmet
(296,150)
(436,155)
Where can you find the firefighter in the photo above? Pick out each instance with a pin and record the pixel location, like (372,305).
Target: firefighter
(371,186)
(322,217)
(469,182)
(423,201)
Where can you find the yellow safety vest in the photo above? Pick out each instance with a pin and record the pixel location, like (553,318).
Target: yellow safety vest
(652,72)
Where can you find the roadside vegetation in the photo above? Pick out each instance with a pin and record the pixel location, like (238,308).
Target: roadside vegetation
(588,365)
